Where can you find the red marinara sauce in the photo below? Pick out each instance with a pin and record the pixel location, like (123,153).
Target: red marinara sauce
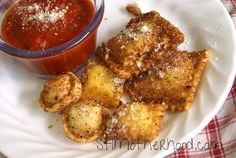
(44,24)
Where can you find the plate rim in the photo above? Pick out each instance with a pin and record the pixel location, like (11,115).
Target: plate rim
(224,94)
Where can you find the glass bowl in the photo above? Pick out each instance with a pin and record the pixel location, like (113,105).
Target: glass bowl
(69,56)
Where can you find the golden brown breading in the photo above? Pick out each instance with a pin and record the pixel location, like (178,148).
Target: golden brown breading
(60,92)
(173,79)
(133,9)
(84,121)
(126,53)
(136,122)
(99,84)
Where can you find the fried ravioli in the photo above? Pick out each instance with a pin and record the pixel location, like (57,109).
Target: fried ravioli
(172,80)
(126,54)
(84,121)
(134,9)
(136,122)
(99,84)
(60,92)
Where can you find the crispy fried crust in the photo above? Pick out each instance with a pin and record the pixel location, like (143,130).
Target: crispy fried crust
(136,122)
(173,79)
(99,84)
(126,53)
(84,121)
(60,92)
(133,9)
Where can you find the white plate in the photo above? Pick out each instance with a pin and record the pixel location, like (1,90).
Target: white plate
(24,131)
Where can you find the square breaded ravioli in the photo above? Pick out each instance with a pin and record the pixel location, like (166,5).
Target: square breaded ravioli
(136,122)
(100,85)
(126,53)
(172,80)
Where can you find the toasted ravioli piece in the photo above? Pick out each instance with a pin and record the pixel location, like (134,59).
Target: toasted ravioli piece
(84,121)
(100,84)
(60,92)
(172,80)
(135,121)
(126,54)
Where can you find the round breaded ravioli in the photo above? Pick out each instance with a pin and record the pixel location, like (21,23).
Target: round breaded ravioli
(84,121)
(136,122)
(60,92)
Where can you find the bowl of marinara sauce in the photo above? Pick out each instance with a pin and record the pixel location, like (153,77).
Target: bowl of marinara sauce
(50,36)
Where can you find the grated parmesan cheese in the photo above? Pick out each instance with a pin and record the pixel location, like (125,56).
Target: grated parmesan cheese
(118,80)
(158,48)
(107,50)
(144,29)
(41,15)
(161,74)
(139,64)
(106,56)
(122,47)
